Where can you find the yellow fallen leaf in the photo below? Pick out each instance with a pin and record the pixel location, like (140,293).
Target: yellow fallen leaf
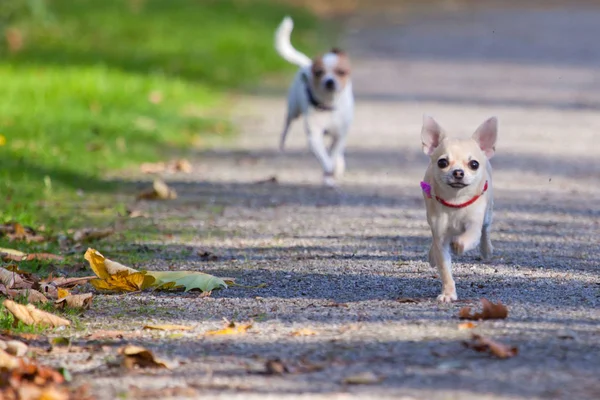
(124,282)
(62,293)
(304,332)
(114,276)
(168,327)
(2,140)
(30,315)
(103,267)
(137,356)
(75,301)
(364,378)
(231,329)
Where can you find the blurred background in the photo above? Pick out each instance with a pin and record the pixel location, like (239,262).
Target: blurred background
(89,87)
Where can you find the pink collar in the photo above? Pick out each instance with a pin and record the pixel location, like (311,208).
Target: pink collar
(426,187)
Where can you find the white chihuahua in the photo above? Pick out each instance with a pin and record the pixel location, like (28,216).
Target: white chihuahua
(458,195)
(322,94)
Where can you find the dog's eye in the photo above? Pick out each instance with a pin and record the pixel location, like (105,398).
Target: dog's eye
(473,165)
(319,73)
(442,163)
(341,72)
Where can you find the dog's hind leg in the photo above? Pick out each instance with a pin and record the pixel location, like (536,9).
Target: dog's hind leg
(485,246)
(285,131)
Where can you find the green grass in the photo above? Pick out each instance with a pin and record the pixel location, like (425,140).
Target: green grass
(104,85)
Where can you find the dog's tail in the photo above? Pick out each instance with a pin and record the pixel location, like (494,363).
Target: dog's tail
(284,46)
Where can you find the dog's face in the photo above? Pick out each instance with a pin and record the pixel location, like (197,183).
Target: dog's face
(331,72)
(459,163)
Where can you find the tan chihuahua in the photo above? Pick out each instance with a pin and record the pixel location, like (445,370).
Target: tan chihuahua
(458,195)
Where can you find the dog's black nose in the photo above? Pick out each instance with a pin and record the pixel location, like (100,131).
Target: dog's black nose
(458,174)
(330,84)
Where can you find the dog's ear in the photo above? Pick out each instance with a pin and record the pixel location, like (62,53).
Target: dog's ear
(486,135)
(431,134)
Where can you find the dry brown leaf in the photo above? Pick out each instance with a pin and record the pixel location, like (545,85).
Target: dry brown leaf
(14,347)
(33,296)
(44,257)
(276,367)
(489,311)
(32,391)
(231,329)
(27,380)
(466,325)
(30,315)
(89,234)
(182,165)
(406,300)
(364,378)
(136,356)
(16,231)
(49,290)
(500,350)
(15,255)
(270,180)
(153,168)
(168,327)
(62,282)
(108,334)
(8,361)
(159,191)
(83,301)
(137,214)
(10,279)
(304,332)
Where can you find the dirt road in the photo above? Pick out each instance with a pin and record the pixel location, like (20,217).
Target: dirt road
(336,263)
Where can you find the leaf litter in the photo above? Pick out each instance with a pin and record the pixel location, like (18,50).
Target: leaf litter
(81,301)
(159,191)
(30,315)
(363,378)
(140,357)
(168,327)
(230,329)
(497,349)
(489,311)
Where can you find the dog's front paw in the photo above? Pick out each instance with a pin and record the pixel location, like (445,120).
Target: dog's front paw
(447,297)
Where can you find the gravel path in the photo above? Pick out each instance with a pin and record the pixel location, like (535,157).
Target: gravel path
(336,262)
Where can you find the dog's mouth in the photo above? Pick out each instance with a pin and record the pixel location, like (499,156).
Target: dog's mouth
(457,185)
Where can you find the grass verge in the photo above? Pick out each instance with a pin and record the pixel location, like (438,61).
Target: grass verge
(90,87)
